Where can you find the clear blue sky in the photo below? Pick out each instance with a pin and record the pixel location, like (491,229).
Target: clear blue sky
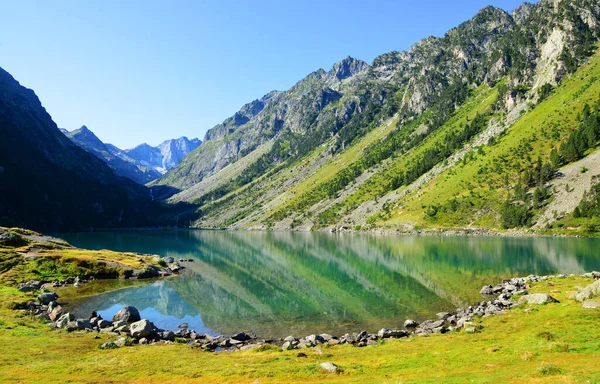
(144,71)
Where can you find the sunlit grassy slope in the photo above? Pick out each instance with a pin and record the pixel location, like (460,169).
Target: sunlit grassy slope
(479,183)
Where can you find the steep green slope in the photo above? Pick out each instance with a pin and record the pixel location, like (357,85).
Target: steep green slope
(380,145)
(473,192)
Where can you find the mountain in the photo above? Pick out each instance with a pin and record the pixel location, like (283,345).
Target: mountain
(141,164)
(465,130)
(166,155)
(47,182)
(116,159)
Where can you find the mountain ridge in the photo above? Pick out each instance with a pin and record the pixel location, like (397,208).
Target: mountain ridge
(142,163)
(251,174)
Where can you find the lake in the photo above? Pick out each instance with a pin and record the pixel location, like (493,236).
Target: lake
(294,283)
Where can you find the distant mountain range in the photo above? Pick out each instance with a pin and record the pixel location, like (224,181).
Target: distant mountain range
(141,164)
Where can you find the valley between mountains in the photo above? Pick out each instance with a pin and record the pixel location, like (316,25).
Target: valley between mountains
(490,127)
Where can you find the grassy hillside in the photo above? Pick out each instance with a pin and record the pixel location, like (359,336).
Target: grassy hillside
(472,170)
(472,193)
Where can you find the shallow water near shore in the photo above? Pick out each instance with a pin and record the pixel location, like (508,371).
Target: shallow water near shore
(281,283)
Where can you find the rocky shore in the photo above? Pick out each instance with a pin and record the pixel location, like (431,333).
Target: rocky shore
(129,329)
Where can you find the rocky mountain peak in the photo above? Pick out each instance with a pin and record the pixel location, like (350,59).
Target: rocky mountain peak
(86,138)
(348,67)
(522,12)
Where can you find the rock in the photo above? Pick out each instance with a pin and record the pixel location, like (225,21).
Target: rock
(429,324)
(122,328)
(183,326)
(142,328)
(168,260)
(537,298)
(486,290)
(29,286)
(329,367)
(143,341)
(362,336)
(410,324)
(128,314)
(289,345)
(167,335)
(588,292)
(56,313)
(326,337)
(109,345)
(123,342)
(241,337)
(443,315)
(64,319)
(46,298)
(84,323)
(74,326)
(590,304)
(103,324)
(314,339)
(470,330)
(385,333)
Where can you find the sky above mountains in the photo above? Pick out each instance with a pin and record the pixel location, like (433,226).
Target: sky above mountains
(144,71)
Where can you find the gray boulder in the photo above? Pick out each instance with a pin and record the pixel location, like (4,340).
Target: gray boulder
(167,335)
(109,345)
(537,298)
(410,324)
(329,367)
(242,336)
(385,333)
(103,324)
(47,298)
(56,313)
(590,304)
(128,314)
(29,286)
(142,328)
(64,319)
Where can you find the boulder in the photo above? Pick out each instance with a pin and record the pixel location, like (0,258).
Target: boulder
(315,339)
(329,367)
(56,313)
(289,345)
(64,319)
(123,342)
(429,324)
(590,304)
(142,328)
(443,315)
(537,298)
(242,336)
(385,333)
(103,324)
(29,286)
(109,345)
(47,298)
(167,335)
(410,324)
(128,314)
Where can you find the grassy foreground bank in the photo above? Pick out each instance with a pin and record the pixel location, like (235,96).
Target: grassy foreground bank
(557,342)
